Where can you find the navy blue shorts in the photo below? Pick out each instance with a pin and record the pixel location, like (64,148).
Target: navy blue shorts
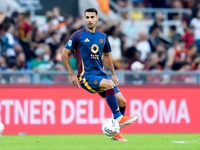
(91,84)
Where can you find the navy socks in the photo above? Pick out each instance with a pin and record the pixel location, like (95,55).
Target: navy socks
(122,110)
(112,102)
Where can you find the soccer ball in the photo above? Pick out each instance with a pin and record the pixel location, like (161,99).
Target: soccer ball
(110,127)
(1,127)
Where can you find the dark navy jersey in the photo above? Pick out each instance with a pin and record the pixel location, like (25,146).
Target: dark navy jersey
(88,48)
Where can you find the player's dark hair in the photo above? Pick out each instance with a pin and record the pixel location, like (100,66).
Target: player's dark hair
(91,10)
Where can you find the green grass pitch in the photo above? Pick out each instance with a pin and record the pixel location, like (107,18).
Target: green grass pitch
(101,142)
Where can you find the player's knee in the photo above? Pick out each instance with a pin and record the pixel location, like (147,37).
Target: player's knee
(124,102)
(109,85)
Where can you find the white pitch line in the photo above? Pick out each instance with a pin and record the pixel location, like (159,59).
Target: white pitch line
(183,142)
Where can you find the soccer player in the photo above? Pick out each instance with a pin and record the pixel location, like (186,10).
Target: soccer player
(90,45)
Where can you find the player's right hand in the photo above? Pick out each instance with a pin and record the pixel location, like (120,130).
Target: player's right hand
(75,81)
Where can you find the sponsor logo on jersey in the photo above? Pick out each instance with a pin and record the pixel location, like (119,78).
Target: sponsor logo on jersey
(87,40)
(95,48)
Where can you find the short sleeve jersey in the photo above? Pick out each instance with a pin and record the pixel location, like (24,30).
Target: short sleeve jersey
(88,48)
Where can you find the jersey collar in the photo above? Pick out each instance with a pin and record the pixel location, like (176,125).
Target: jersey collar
(86,29)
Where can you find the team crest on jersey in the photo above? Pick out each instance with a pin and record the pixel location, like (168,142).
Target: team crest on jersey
(95,82)
(101,41)
(95,48)
(87,40)
(69,43)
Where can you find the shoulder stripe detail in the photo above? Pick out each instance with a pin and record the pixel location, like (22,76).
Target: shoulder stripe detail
(79,31)
(77,40)
(101,32)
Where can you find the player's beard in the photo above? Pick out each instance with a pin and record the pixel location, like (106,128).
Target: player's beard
(92,26)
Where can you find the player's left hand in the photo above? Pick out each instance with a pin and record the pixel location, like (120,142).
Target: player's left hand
(115,79)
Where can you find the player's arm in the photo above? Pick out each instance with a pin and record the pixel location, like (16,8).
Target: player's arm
(72,76)
(108,61)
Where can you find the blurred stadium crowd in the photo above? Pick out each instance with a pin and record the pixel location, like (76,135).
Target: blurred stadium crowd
(27,46)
